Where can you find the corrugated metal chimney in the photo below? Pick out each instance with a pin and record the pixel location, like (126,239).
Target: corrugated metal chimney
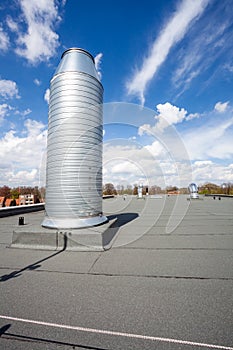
(74,150)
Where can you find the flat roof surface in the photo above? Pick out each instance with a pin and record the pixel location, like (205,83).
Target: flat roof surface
(167,282)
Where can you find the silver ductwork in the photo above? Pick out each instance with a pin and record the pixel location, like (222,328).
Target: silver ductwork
(74,149)
(193,190)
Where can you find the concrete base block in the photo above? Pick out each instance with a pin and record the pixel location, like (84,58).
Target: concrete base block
(33,237)
(97,238)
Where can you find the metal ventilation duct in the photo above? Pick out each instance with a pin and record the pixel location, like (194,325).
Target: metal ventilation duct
(74,149)
(193,190)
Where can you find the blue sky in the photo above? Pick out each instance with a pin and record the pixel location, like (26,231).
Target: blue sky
(167,65)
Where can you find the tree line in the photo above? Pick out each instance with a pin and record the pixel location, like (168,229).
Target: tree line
(110,189)
(207,188)
(15,192)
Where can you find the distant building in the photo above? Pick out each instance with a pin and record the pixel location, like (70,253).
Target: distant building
(24,199)
(171,193)
(2,202)
(27,199)
(8,202)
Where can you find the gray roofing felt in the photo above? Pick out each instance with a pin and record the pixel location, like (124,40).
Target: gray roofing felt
(168,277)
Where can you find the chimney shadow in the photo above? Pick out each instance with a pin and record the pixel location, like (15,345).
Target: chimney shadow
(34,266)
(121,220)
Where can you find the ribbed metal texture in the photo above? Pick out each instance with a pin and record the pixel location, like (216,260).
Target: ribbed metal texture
(193,190)
(74,149)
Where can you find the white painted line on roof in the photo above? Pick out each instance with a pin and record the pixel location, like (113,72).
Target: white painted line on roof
(119,334)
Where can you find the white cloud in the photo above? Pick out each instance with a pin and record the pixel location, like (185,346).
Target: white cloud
(24,177)
(154,165)
(207,45)
(212,172)
(174,30)
(40,41)
(126,163)
(209,145)
(201,163)
(221,107)
(167,115)
(156,149)
(211,140)
(20,156)
(145,129)
(23,113)
(98,60)
(229,67)
(12,25)
(47,95)
(37,82)
(4,40)
(151,164)
(192,116)
(125,167)
(4,111)
(8,89)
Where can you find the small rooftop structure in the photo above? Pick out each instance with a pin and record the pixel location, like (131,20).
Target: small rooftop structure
(27,199)
(193,190)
